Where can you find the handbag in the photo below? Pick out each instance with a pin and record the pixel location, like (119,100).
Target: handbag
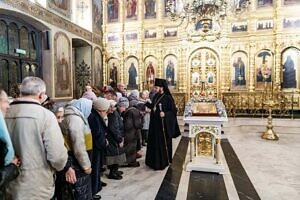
(7,174)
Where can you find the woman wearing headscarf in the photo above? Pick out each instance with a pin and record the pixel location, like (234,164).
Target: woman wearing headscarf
(99,130)
(163,127)
(135,103)
(132,130)
(115,155)
(78,138)
(67,176)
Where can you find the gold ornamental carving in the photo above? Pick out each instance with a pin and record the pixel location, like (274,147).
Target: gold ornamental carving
(204,144)
(210,129)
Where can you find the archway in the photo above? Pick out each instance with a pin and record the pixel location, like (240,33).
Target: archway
(203,73)
(20,48)
(82,65)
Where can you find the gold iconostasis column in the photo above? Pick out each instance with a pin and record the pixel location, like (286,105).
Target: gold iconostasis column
(276,43)
(104,52)
(159,14)
(224,70)
(252,47)
(183,67)
(140,55)
(122,49)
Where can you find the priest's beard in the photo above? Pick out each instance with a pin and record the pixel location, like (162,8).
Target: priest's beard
(161,90)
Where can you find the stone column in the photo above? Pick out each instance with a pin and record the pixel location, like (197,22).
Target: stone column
(218,150)
(191,148)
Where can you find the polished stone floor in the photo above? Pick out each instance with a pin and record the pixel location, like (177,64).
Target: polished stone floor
(255,168)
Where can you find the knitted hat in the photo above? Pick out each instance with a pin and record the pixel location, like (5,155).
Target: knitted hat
(101,104)
(123,102)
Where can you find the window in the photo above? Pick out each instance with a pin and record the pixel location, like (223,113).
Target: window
(13,38)
(24,43)
(4,74)
(3,37)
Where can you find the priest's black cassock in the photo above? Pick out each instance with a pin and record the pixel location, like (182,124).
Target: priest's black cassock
(161,130)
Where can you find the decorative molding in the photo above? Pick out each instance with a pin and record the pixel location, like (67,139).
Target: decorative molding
(196,129)
(51,18)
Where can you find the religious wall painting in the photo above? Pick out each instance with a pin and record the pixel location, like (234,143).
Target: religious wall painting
(98,69)
(210,78)
(97,16)
(131,9)
(264,69)
(239,27)
(199,26)
(112,10)
(113,37)
(62,7)
(113,66)
(150,69)
(62,66)
(290,60)
(150,9)
(264,3)
(238,70)
(131,65)
(173,8)
(131,36)
(240,4)
(170,32)
(291,2)
(195,78)
(150,34)
(170,70)
(291,22)
(264,25)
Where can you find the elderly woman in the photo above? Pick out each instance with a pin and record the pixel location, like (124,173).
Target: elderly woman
(132,131)
(78,137)
(99,130)
(67,176)
(115,155)
(146,116)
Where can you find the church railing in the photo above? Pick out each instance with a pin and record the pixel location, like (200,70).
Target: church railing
(251,104)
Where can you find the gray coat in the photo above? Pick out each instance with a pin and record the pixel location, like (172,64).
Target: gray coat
(38,141)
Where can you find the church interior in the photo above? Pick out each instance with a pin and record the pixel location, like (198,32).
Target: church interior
(242,53)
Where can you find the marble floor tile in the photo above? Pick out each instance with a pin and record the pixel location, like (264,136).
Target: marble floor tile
(272,166)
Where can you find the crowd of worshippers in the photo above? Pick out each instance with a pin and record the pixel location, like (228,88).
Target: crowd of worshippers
(69,143)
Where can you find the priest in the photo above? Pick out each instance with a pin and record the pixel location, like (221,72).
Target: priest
(163,127)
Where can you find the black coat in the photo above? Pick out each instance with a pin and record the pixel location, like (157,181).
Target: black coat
(132,128)
(115,137)
(99,131)
(161,132)
(7,173)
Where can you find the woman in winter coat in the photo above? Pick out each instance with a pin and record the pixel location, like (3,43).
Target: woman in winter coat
(146,116)
(99,130)
(132,130)
(115,155)
(78,138)
(67,176)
